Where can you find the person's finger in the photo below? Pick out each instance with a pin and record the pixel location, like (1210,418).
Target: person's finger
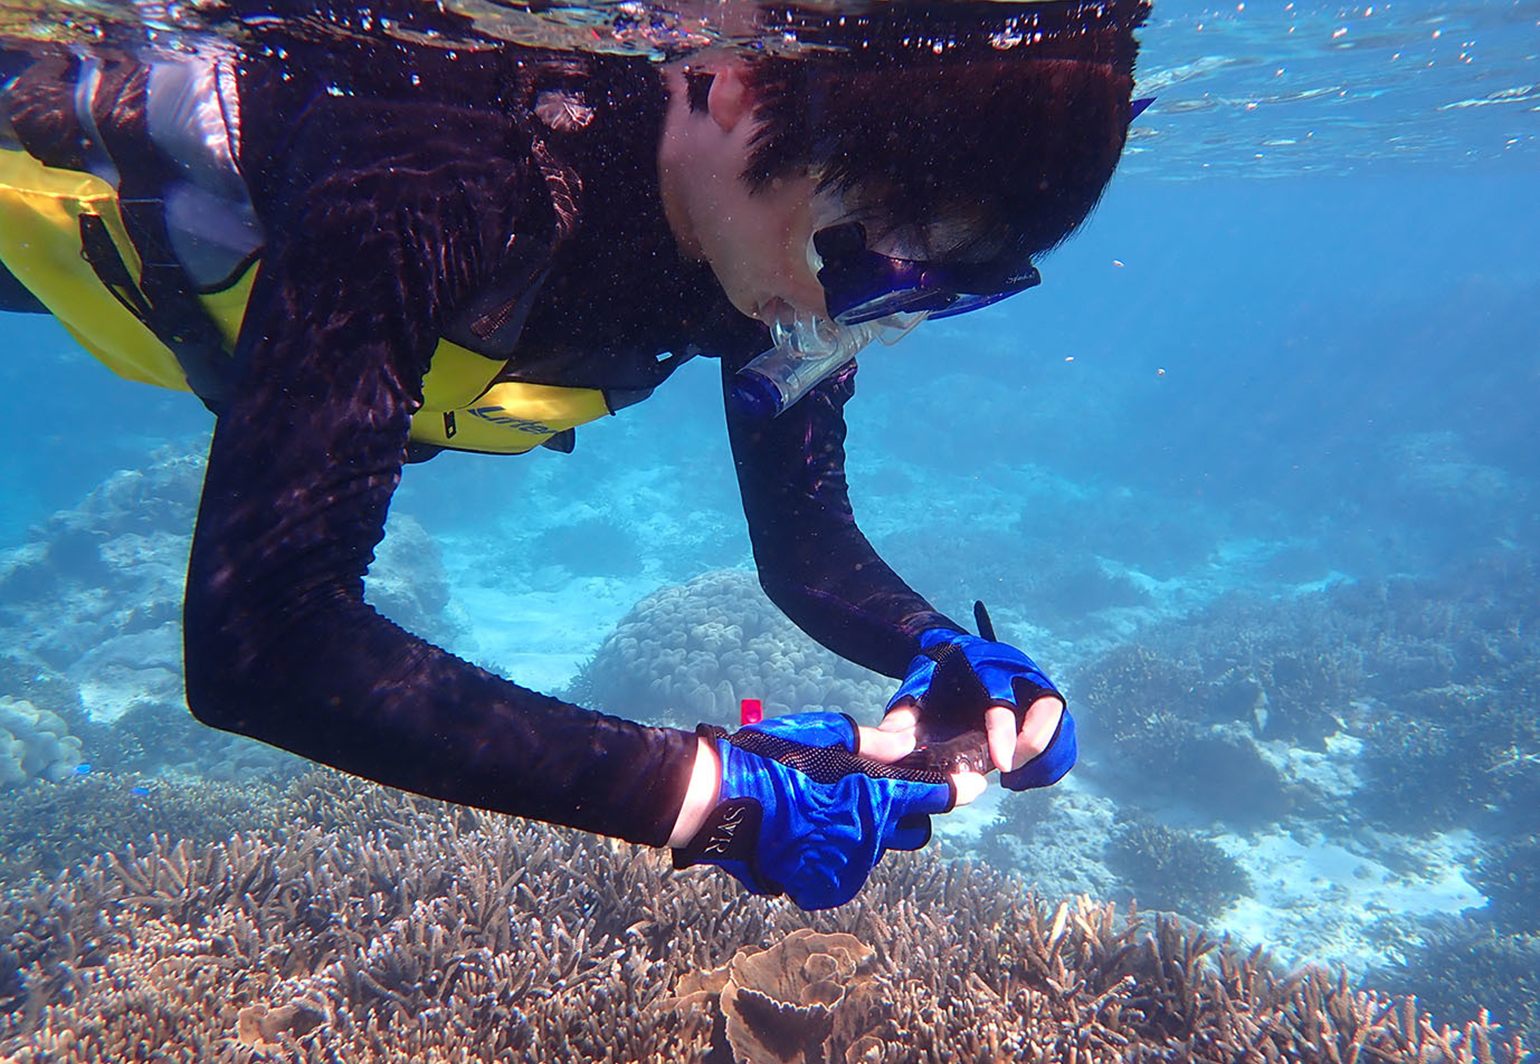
(969,785)
(886,746)
(901,719)
(1000,723)
(1009,749)
(1037,728)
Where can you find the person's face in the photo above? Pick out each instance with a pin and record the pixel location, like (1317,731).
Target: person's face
(757,246)
(756,242)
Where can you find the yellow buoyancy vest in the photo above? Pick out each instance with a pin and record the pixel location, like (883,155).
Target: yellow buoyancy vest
(41,208)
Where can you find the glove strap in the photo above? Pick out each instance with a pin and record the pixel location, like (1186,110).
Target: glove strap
(730,833)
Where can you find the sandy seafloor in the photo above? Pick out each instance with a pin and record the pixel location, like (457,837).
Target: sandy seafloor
(1270,386)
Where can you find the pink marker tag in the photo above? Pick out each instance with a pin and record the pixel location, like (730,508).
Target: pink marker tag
(750,711)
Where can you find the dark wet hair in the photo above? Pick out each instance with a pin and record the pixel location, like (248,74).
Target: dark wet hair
(1005,120)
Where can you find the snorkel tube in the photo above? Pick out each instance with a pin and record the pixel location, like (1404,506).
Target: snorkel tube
(808,348)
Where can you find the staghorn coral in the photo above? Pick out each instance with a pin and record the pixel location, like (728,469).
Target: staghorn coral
(1508,873)
(691,652)
(46,828)
(1467,969)
(1479,745)
(368,926)
(1431,678)
(34,744)
(1173,869)
(1151,731)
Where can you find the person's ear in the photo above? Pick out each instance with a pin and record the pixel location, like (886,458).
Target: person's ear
(729,101)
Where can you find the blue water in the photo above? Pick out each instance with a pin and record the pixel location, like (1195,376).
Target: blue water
(1295,354)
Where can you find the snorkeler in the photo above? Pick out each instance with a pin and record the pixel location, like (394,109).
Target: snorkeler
(361,251)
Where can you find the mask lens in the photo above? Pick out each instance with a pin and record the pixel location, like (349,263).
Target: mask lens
(895,327)
(963,304)
(862,286)
(907,301)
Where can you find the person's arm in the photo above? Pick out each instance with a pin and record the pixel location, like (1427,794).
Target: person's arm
(815,564)
(813,561)
(363,268)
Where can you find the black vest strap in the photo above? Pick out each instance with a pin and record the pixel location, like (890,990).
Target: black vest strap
(14,296)
(164,301)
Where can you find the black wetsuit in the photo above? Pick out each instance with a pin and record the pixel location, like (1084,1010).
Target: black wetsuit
(396,187)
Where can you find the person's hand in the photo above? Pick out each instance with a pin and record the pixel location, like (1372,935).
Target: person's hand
(808,803)
(960,682)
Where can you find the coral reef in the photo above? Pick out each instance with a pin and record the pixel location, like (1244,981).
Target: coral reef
(691,652)
(1055,838)
(34,744)
(46,828)
(1473,744)
(1466,969)
(1433,676)
(152,740)
(1167,868)
(95,593)
(1509,875)
(146,738)
(1066,590)
(443,934)
(90,615)
(407,581)
(1156,729)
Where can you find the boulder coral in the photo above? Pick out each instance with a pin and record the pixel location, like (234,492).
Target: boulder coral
(690,652)
(34,744)
(358,924)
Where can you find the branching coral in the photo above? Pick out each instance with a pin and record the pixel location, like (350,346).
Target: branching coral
(46,828)
(1449,756)
(1150,732)
(438,934)
(1172,869)
(691,652)
(1509,875)
(1467,969)
(1433,678)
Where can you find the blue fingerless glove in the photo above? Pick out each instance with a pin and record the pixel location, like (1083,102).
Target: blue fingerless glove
(801,813)
(957,677)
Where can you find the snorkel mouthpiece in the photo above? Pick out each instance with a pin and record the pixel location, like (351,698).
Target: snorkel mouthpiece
(808,348)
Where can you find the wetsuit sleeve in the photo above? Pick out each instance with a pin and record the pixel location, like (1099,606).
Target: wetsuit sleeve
(813,561)
(280,644)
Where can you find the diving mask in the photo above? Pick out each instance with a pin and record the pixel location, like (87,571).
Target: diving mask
(862,285)
(869,296)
